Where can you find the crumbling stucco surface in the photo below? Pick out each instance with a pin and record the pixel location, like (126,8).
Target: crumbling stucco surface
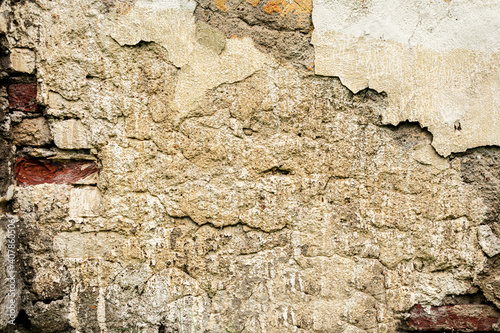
(438,62)
(238,191)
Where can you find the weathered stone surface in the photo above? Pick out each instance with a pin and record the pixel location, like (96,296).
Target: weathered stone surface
(22,97)
(70,134)
(463,318)
(426,154)
(3,22)
(30,171)
(489,242)
(10,286)
(421,56)
(22,60)
(480,168)
(32,132)
(6,168)
(169,23)
(85,202)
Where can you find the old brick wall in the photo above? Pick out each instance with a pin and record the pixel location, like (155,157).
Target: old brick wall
(189,166)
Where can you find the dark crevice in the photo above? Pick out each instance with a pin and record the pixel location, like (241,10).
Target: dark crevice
(409,134)
(369,94)
(23,320)
(277,171)
(476,298)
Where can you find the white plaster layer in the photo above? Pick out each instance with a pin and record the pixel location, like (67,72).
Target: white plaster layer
(438,62)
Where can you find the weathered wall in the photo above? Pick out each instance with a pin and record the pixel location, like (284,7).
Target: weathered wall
(438,62)
(185,166)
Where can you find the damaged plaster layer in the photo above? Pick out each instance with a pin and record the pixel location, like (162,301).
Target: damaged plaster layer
(437,61)
(169,23)
(236,194)
(277,27)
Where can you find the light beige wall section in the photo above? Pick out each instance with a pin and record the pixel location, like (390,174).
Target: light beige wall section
(169,23)
(438,62)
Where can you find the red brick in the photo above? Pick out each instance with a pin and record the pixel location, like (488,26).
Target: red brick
(32,171)
(465,318)
(22,97)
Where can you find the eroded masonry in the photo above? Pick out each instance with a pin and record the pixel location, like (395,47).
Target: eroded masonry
(249,166)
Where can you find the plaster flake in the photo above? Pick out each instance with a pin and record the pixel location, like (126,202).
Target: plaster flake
(239,60)
(169,23)
(437,62)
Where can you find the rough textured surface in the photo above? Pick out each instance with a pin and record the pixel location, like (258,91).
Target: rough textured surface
(32,132)
(22,97)
(9,278)
(489,242)
(481,169)
(238,191)
(281,28)
(437,61)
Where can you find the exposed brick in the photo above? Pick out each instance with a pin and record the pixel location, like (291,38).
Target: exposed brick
(31,171)
(22,97)
(465,318)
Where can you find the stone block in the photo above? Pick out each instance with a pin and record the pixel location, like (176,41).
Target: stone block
(71,134)
(464,318)
(22,60)
(22,97)
(32,132)
(489,242)
(4,23)
(84,202)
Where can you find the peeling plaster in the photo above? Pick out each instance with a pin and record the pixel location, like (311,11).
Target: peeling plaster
(438,63)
